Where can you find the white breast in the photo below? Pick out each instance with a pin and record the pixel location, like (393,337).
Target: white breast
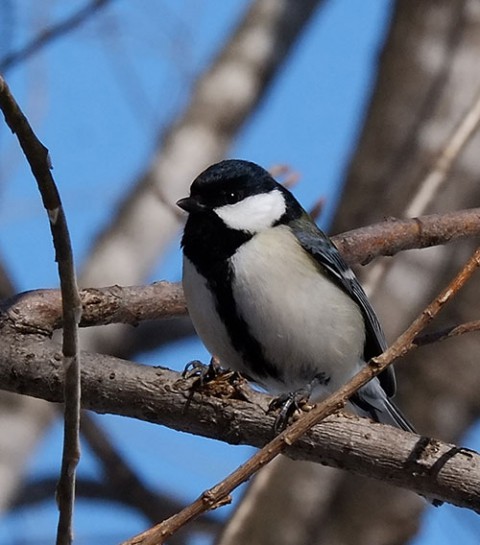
(207,323)
(306,324)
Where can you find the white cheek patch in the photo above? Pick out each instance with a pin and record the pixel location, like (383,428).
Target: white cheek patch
(255,213)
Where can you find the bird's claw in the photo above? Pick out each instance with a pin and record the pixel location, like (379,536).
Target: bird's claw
(288,404)
(203,373)
(214,381)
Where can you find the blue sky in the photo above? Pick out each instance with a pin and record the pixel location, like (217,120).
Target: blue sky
(101,132)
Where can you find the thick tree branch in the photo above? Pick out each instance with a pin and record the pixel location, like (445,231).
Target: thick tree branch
(427,482)
(31,365)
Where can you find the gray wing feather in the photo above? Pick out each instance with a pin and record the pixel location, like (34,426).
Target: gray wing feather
(320,247)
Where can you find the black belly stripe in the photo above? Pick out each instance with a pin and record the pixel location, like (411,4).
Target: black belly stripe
(209,246)
(240,335)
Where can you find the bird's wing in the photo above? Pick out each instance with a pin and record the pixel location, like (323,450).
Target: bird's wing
(319,246)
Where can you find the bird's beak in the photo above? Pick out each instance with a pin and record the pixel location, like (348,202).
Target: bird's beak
(190,204)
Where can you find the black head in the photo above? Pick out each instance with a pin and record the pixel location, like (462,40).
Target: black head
(229,203)
(227,182)
(243,195)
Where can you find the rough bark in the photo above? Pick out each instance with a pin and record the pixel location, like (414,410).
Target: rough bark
(32,365)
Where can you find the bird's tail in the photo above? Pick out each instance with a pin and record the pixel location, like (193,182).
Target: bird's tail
(371,401)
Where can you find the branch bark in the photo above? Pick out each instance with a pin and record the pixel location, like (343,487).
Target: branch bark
(31,365)
(41,310)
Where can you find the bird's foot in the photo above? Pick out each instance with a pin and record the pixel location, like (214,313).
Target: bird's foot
(289,404)
(203,373)
(215,381)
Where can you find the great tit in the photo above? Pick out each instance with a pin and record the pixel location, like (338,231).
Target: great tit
(270,295)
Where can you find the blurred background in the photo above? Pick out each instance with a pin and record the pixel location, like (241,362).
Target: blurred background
(133,100)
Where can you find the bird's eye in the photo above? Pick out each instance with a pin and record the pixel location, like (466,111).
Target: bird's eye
(231,197)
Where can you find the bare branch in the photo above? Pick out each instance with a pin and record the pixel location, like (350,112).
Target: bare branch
(159,395)
(39,161)
(51,34)
(395,235)
(41,311)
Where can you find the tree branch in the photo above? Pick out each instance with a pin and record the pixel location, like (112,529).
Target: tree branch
(50,34)
(41,310)
(38,159)
(31,365)
(395,235)
(419,480)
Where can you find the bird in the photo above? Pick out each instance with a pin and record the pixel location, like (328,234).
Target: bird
(271,297)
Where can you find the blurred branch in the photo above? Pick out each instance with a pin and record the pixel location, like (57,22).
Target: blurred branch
(119,484)
(426,81)
(429,187)
(257,48)
(127,487)
(49,35)
(447,333)
(38,158)
(7,288)
(223,98)
(43,489)
(442,166)
(121,478)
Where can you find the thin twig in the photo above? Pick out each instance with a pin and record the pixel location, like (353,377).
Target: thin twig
(219,494)
(432,182)
(38,159)
(447,333)
(47,36)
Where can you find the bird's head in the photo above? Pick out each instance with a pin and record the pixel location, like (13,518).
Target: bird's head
(242,194)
